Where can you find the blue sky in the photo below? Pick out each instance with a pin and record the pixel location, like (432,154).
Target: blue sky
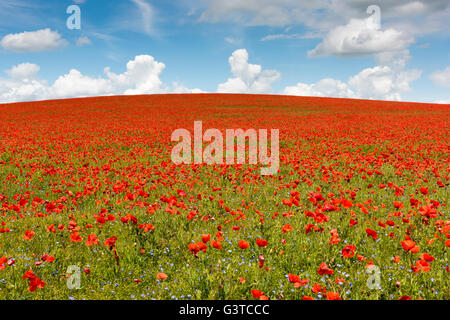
(398,50)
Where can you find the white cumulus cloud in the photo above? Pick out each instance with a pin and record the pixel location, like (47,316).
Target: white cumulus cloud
(33,41)
(75,84)
(383,83)
(142,76)
(361,37)
(324,88)
(248,78)
(386,81)
(22,84)
(24,71)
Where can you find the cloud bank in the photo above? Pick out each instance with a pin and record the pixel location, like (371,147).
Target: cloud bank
(142,76)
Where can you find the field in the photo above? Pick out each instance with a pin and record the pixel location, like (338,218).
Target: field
(358,209)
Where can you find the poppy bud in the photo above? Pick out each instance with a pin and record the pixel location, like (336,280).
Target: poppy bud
(261,261)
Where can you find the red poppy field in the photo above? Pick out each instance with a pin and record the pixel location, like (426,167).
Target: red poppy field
(357,210)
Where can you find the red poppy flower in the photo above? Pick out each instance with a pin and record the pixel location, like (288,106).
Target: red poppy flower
(372,233)
(161,276)
(216,244)
(28,235)
(33,281)
(333,296)
(323,269)
(75,237)
(261,242)
(47,258)
(206,238)
(409,245)
(286,228)
(346,203)
(398,204)
(91,240)
(243,244)
(427,257)
(201,246)
(348,251)
(193,248)
(257,293)
(424,190)
(110,242)
(297,281)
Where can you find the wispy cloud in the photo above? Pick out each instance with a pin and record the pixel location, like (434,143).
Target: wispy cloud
(147,15)
(290,36)
(83,41)
(13,12)
(232,40)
